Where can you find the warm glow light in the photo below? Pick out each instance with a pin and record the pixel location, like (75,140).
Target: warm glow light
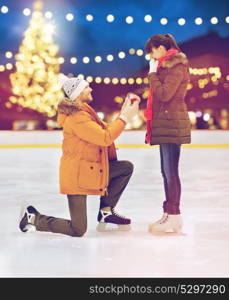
(132,51)
(69,17)
(86,60)
(148,18)
(4,9)
(60,60)
(123,81)
(98,79)
(49,29)
(9,66)
(198,21)
(227,19)
(214,20)
(110,57)
(8,54)
(139,52)
(206,117)
(89,18)
(106,80)
(121,54)
(73,60)
(139,80)
(98,59)
(89,79)
(181,21)
(26,11)
(164,21)
(115,80)
(131,80)
(48,14)
(110,18)
(129,20)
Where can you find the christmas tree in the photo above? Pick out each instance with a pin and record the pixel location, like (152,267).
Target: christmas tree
(35,83)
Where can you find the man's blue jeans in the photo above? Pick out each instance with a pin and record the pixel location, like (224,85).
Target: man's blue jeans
(170,154)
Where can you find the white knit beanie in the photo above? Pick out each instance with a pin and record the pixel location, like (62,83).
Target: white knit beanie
(72,86)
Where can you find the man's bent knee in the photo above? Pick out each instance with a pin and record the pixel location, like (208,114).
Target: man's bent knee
(79,232)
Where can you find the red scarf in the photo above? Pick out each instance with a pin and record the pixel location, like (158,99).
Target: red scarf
(149,110)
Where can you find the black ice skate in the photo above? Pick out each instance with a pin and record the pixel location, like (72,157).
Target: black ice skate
(25,223)
(111,217)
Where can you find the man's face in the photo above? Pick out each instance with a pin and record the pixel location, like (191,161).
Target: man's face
(86,95)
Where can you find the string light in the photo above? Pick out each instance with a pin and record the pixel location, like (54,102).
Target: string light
(9,66)
(115,80)
(4,9)
(86,60)
(110,57)
(48,14)
(139,52)
(121,54)
(163,21)
(69,17)
(26,11)
(98,59)
(73,60)
(214,20)
(132,51)
(148,18)
(110,18)
(198,21)
(129,20)
(89,18)
(181,21)
(8,54)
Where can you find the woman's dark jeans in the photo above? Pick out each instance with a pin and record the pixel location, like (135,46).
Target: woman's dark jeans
(170,154)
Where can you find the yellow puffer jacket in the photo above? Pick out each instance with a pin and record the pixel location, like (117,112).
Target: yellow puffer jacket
(84,165)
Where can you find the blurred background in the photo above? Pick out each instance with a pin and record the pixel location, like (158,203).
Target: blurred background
(103,42)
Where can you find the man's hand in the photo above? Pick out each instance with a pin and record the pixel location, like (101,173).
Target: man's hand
(129,110)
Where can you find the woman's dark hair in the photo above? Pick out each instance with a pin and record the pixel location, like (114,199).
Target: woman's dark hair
(166,40)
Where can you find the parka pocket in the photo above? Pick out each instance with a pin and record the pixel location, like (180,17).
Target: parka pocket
(89,175)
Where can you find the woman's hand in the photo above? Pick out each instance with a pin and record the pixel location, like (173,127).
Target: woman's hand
(153,63)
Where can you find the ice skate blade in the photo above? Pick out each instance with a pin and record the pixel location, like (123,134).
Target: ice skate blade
(103,227)
(172,231)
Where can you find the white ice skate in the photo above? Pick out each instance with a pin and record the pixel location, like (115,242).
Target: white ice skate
(173,223)
(161,220)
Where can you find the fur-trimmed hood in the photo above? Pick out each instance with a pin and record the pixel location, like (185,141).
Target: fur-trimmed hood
(178,58)
(66,108)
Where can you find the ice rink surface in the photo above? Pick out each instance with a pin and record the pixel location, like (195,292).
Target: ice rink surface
(30,176)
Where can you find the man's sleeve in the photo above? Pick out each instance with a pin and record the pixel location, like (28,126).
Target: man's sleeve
(88,130)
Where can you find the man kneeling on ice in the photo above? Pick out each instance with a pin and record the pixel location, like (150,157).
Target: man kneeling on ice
(88,165)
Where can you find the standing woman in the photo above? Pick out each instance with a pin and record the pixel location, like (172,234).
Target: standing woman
(168,123)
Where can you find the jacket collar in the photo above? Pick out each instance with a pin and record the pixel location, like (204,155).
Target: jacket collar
(178,58)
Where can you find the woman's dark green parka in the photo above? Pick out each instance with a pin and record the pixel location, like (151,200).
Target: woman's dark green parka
(170,123)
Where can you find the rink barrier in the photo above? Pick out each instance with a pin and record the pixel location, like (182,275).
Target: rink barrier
(117,146)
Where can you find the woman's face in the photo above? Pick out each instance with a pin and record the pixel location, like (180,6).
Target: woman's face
(157,53)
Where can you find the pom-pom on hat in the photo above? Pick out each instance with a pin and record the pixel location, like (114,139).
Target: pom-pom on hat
(72,86)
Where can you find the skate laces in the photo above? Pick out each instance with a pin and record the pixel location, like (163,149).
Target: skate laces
(164,220)
(116,214)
